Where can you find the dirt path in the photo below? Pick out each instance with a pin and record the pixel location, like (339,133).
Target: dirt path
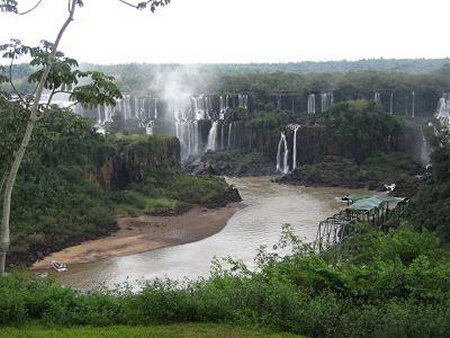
(146,233)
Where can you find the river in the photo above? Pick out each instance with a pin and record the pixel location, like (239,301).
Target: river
(267,207)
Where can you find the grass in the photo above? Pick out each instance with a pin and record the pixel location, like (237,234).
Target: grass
(147,205)
(174,330)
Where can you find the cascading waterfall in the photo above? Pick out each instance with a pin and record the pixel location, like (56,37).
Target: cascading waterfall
(377,98)
(149,128)
(221,137)
(424,150)
(279,102)
(294,151)
(282,160)
(186,129)
(196,138)
(311,104)
(413,109)
(243,101)
(155,108)
(186,113)
(212,137)
(78,110)
(326,101)
(443,110)
(189,137)
(99,115)
(391,104)
(230,129)
(221,108)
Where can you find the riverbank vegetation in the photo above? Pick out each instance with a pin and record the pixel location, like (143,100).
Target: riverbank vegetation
(374,285)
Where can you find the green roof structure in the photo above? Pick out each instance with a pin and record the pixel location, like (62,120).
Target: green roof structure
(366,203)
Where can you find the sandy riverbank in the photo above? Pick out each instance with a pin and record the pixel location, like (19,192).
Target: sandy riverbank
(146,233)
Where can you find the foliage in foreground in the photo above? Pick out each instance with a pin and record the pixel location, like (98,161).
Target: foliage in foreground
(396,285)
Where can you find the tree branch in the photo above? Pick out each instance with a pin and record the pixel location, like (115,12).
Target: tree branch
(31,9)
(127,3)
(12,84)
(143,4)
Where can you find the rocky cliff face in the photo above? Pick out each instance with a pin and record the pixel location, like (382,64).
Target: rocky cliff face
(131,158)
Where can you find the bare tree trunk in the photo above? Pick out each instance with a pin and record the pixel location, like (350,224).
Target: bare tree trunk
(19,154)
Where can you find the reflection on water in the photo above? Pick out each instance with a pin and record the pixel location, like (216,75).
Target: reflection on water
(268,207)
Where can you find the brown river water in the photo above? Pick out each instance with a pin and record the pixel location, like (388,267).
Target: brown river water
(267,207)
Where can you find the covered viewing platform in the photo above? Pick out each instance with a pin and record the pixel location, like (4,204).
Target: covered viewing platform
(380,211)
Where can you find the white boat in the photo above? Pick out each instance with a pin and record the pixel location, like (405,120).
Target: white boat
(58,266)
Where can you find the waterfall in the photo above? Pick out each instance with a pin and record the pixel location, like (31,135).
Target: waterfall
(149,128)
(391,104)
(443,110)
(323,97)
(413,110)
(377,98)
(243,101)
(230,127)
(282,166)
(279,101)
(78,110)
(221,136)
(196,138)
(212,137)
(189,139)
(155,108)
(227,102)
(124,106)
(177,124)
(424,150)
(311,104)
(326,101)
(99,114)
(221,108)
(294,153)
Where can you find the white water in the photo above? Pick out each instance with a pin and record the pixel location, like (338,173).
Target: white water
(311,104)
(149,128)
(230,129)
(443,110)
(212,137)
(221,136)
(377,98)
(326,101)
(282,155)
(294,151)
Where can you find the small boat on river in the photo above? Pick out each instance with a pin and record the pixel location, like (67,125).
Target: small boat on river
(58,266)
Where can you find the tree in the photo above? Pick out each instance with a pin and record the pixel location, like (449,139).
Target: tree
(55,73)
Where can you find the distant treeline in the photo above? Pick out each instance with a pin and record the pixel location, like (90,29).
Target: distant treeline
(401,65)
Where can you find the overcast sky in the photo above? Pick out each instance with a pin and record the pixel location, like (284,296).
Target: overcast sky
(204,31)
